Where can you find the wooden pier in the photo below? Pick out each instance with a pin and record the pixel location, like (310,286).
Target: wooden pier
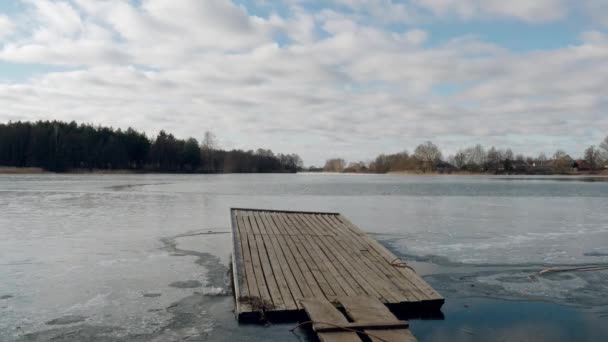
(283,257)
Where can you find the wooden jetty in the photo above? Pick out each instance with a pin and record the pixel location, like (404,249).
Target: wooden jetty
(283,259)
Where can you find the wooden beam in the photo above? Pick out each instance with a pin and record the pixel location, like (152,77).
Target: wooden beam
(362,326)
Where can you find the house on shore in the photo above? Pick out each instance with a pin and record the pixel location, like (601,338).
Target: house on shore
(581,165)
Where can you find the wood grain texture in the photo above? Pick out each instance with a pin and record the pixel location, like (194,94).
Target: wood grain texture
(321,310)
(283,257)
(369,316)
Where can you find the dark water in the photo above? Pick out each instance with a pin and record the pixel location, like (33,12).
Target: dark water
(129,257)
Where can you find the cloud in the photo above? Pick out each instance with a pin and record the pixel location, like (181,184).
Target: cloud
(6,26)
(159,32)
(597,10)
(302,80)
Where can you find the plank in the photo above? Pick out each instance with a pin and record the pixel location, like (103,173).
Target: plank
(351,268)
(284,264)
(298,285)
(264,294)
(252,285)
(368,272)
(408,290)
(312,289)
(362,325)
(275,264)
(241,287)
(333,277)
(371,310)
(321,310)
(407,273)
(299,250)
(268,271)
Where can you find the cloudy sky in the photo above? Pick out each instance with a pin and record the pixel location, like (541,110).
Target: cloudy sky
(349,78)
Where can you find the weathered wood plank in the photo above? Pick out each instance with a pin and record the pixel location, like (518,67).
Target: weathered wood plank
(353,271)
(382,288)
(320,310)
(269,272)
(361,325)
(332,276)
(312,289)
(371,310)
(408,274)
(241,287)
(275,263)
(247,262)
(281,257)
(257,263)
(299,286)
(284,264)
(408,290)
(316,276)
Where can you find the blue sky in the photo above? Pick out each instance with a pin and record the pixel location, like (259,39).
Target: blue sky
(348,78)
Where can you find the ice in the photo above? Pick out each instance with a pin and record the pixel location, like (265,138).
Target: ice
(94,245)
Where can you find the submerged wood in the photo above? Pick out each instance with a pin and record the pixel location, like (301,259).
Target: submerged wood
(371,319)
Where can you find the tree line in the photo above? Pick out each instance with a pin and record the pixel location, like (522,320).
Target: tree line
(427,157)
(61,146)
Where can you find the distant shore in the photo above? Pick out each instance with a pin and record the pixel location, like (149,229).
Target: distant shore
(468,173)
(9,170)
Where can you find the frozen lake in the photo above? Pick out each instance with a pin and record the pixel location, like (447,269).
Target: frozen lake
(130,257)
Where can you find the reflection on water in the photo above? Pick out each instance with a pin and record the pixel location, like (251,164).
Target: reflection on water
(478,319)
(110,249)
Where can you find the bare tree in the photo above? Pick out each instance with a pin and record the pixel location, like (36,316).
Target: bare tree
(475,155)
(604,149)
(542,159)
(428,154)
(494,159)
(509,154)
(593,157)
(561,160)
(209,141)
(459,159)
(209,145)
(334,165)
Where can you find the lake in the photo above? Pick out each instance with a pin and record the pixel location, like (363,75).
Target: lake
(145,257)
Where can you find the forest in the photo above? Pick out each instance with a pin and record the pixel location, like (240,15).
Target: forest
(64,147)
(427,157)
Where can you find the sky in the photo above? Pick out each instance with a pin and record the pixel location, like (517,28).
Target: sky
(324,79)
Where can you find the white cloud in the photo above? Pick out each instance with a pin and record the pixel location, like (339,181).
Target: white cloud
(57,17)
(358,87)
(159,32)
(416,36)
(594,37)
(6,26)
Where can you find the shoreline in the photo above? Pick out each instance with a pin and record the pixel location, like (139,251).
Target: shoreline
(603,173)
(10,170)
